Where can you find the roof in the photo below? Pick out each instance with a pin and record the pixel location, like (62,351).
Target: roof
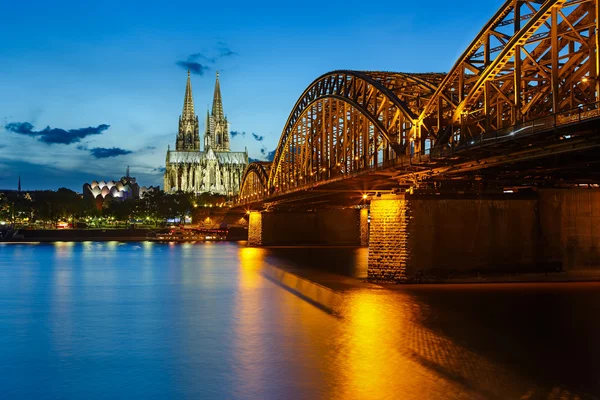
(194,157)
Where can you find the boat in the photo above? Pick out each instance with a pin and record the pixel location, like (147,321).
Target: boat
(188,235)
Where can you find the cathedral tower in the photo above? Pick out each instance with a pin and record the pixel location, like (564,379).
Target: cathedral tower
(188,137)
(219,125)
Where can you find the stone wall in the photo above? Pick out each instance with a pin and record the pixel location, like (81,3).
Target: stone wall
(570,226)
(414,238)
(255,229)
(388,239)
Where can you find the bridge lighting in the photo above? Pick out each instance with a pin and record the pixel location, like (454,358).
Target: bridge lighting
(365,196)
(584,79)
(356,158)
(338,164)
(324,169)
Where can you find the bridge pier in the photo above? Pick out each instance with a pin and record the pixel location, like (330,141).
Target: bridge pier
(337,227)
(416,238)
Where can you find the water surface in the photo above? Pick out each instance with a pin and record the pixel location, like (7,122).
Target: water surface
(148,320)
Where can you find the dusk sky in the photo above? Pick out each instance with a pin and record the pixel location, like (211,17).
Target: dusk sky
(87,89)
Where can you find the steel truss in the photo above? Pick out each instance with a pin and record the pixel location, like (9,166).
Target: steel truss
(533,59)
(254,182)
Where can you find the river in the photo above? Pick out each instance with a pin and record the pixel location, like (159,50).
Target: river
(148,320)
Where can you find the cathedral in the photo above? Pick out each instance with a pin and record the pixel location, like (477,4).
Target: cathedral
(214,169)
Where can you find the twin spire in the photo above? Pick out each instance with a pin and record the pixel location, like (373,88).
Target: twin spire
(216,135)
(188,101)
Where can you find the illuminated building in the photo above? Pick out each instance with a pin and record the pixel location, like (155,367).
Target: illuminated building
(215,169)
(123,189)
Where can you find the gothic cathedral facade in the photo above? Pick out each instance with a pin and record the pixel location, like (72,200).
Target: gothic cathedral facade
(214,169)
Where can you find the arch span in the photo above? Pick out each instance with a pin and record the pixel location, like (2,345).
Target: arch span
(254,182)
(347,121)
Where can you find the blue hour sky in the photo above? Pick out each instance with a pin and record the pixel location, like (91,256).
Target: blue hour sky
(88,88)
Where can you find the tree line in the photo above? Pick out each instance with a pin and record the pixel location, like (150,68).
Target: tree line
(48,208)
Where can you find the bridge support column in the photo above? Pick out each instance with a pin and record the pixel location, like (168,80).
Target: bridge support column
(336,227)
(418,238)
(388,239)
(255,236)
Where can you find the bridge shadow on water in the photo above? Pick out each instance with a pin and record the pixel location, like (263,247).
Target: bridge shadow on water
(492,341)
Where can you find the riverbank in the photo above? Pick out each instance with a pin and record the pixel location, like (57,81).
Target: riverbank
(102,235)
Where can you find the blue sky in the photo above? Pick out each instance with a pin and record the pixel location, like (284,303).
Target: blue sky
(104,77)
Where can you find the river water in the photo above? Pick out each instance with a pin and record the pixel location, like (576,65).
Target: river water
(147,320)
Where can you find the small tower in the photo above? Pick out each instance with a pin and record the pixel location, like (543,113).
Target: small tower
(208,139)
(19,187)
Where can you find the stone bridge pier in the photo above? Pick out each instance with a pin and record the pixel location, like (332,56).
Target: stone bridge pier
(339,227)
(417,238)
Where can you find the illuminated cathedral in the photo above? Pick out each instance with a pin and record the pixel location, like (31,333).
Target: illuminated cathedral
(214,169)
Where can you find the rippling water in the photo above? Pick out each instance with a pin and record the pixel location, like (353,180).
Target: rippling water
(118,320)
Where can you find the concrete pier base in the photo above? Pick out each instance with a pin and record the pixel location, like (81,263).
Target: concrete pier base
(338,227)
(416,239)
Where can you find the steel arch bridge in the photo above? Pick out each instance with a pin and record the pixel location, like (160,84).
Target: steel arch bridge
(533,61)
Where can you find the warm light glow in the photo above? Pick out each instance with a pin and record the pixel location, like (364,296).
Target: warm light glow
(365,196)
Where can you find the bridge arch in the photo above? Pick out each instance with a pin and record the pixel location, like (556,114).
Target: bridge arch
(348,121)
(254,183)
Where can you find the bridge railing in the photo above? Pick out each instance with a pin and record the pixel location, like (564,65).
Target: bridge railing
(576,115)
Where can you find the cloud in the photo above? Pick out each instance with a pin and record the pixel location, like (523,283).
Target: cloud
(224,50)
(268,155)
(257,137)
(193,66)
(55,135)
(237,133)
(159,169)
(103,152)
(193,62)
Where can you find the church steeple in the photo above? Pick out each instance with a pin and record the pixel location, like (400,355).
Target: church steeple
(217,108)
(188,101)
(188,138)
(219,128)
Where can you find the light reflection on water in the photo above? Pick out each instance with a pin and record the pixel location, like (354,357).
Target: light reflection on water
(152,320)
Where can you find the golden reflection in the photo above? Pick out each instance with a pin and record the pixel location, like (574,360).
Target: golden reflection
(249,319)
(383,347)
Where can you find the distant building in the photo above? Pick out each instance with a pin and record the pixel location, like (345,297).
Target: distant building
(123,189)
(215,169)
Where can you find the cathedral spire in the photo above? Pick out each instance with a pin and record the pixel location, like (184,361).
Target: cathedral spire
(188,138)
(217,108)
(188,101)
